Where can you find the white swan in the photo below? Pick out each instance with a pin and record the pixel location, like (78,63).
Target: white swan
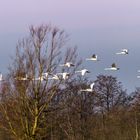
(93,58)
(54,77)
(67,64)
(1,77)
(89,89)
(45,74)
(123,52)
(22,78)
(83,71)
(40,78)
(113,67)
(65,75)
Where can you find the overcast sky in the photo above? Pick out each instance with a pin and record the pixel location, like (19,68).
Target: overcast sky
(95,26)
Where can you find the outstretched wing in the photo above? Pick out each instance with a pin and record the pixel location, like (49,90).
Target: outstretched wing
(83,72)
(113,65)
(125,50)
(91,86)
(94,56)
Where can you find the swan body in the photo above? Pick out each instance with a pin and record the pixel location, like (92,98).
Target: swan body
(123,52)
(89,89)
(112,68)
(68,64)
(93,58)
(83,71)
(65,75)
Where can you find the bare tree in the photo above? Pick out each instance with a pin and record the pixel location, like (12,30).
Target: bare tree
(76,115)
(109,91)
(28,94)
(110,99)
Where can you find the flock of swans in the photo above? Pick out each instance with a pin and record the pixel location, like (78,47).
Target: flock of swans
(83,72)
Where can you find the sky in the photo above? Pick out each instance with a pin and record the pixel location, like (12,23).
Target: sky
(95,26)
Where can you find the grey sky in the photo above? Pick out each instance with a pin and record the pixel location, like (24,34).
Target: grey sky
(95,26)
(71,14)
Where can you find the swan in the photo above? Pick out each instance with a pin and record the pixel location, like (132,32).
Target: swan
(123,52)
(22,78)
(40,78)
(83,71)
(89,89)
(45,74)
(113,67)
(93,58)
(54,77)
(1,77)
(67,64)
(65,75)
